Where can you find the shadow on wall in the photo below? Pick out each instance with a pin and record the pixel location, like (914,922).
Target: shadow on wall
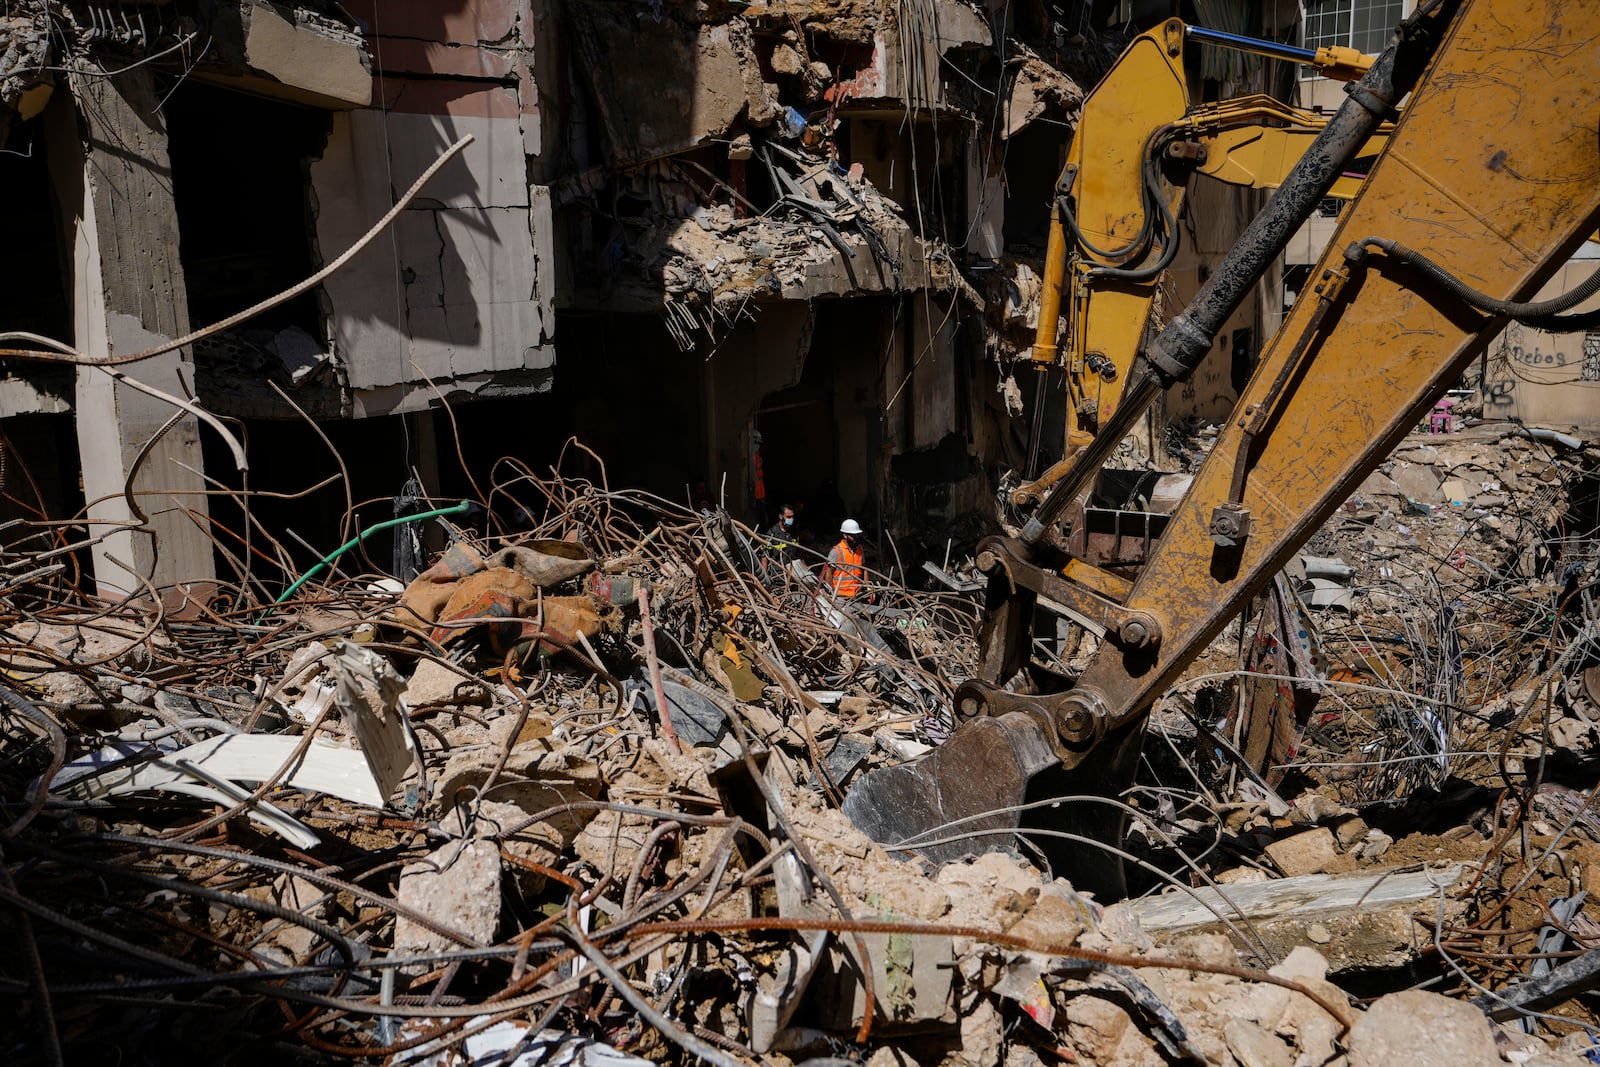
(451,289)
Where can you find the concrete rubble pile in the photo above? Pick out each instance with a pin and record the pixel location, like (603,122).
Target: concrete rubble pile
(571,795)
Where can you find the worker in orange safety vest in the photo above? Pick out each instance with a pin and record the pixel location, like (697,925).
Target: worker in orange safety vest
(845,574)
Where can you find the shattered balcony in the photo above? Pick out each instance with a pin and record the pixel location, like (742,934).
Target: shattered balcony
(830,233)
(746,176)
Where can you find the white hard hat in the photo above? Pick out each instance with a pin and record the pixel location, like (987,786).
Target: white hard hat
(850,526)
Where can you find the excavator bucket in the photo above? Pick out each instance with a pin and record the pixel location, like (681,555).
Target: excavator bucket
(997,784)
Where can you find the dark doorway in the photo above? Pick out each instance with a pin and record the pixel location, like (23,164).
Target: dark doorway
(240,180)
(800,437)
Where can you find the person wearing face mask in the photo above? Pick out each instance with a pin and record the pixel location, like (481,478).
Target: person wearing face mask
(781,537)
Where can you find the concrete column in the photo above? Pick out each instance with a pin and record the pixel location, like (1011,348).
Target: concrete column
(986,199)
(115,181)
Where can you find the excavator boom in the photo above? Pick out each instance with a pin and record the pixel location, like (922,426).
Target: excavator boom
(1114,219)
(1492,176)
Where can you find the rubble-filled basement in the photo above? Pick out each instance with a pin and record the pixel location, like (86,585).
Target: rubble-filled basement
(944,533)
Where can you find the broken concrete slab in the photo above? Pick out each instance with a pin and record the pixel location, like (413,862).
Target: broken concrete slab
(1038,87)
(1416,1028)
(1253,1046)
(713,79)
(458,887)
(1309,853)
(1367,916)
(291,54)
(434,684)
(1417,482)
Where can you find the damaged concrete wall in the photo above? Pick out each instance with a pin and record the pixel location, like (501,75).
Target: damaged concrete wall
(114,191)
(459,291)
(1545,379)
(698,82)
(291,54)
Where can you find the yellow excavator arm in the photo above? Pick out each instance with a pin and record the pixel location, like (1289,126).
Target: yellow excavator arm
(1113,228)
(1488,183)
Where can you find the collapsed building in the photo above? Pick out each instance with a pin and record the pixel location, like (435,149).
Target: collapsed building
(784,252)
(787,257)
(576,791)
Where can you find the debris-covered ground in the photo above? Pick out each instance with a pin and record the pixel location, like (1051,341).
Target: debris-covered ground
(445,820)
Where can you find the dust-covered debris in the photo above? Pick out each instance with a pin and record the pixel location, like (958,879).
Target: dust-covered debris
(449,814)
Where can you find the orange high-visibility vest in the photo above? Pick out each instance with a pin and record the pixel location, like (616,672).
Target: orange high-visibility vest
(848,573)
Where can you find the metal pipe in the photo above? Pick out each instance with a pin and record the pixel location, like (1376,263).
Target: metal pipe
(1185,341)
(1240,43)
(1180,347)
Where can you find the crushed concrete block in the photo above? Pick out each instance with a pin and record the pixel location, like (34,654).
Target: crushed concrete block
(1367,915)
(434,685)
(1307,853)
(1104,1030)
(1350,831)
(1302,963)
(612,839)
(1378,484)
(983,1040)
(1417,482)
(1315,1031)
(458,887)
(1254,1047)
(1055,919)
(1311,809)
(855,705)
(786,60)
(302,896)
(81,703)
(992,869)
(1213,949)
(1373,846)
(532,781)
(1418,1029)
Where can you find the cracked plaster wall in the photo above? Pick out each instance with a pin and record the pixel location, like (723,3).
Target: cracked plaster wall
(697,83)
(1546,379)
(459,290)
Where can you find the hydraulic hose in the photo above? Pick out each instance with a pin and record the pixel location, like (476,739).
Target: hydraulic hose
(1187,338)
(1541,315)
(1185,341)
(1069,219)
(1169,249)
(1155,208)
